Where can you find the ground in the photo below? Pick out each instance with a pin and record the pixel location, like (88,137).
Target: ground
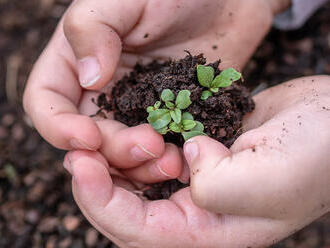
(36,204)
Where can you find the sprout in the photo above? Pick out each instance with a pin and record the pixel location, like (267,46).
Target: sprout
(205,75)
(171,119)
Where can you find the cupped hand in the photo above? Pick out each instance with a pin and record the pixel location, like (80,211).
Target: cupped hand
(97,41)
(273,181)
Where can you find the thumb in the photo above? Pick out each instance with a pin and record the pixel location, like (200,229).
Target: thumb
(94,30)
(231,183)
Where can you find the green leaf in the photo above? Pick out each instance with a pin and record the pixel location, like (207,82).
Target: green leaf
(170,105)
(191,134)
(226,78)
(162,131)
(11,173)
(183,99)
(187,116)
(206,94)
(199,127)
(150,109)
(175,127)
(167,95)
(205,75)
(188,124)
(176,115)
(157,104)
(214,90)
(159,118)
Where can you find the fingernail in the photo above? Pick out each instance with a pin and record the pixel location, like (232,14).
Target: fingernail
(139,153)
(67,163)
(80,145)
(191,151)
(89,71)
(157,171)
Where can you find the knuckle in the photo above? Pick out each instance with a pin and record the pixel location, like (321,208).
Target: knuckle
(74,22)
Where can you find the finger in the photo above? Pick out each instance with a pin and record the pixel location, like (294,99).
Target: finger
(95,32)
(127,147)
(169,166)
(240,184)
(125,219)
(51,97)
(185,172)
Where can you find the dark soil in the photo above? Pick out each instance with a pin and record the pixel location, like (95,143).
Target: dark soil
(221,114)
(36,205)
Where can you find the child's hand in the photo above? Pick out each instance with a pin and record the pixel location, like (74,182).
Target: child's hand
(279,168)
(273,181)
(95,39)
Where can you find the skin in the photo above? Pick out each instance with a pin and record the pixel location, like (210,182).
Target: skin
(294,193)
(271,183)
(117,44)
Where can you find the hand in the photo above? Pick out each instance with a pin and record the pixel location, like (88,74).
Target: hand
(97,41)
(279,169)
(272,182)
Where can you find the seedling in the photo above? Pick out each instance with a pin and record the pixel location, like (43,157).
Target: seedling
(170,117)
(205,75)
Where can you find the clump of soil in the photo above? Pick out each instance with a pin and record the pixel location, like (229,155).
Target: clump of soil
(221,114)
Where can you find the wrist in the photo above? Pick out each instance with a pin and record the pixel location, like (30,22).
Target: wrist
(278,6)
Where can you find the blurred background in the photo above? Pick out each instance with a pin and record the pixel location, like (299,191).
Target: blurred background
(36,204)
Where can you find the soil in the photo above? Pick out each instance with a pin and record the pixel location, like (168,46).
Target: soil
(36,205)
(221,114)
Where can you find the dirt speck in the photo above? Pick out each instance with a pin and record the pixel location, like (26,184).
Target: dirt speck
(146,35)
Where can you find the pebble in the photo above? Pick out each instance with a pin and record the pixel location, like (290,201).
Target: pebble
(305,45)
(91,237)
(289,59)
(48,224)
(18,132)
(65,243)
(36,192)
(32,216)
(71,222)
(8,120)
(51,242)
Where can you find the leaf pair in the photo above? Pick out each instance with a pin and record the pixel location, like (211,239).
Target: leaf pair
(182,100)
(205,75)
(188,127)
(159,118)
(170,117)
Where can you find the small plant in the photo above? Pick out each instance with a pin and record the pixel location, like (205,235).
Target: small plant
(171,119)
(205,75)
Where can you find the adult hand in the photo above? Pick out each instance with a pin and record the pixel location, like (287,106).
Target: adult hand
(273,181)
(97,41)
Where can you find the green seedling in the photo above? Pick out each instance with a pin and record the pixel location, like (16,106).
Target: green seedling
(170,118)
(205,75)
